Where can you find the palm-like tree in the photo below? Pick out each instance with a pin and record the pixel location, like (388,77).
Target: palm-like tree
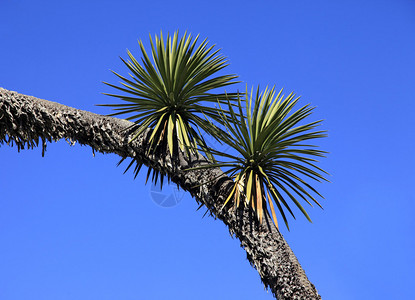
(171,94)
(170,98)
(273,153)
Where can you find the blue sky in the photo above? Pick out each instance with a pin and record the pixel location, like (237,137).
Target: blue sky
(72,226)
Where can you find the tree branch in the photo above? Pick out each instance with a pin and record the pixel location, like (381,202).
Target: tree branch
(26,121)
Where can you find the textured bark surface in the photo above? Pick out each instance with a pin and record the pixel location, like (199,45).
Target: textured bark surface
(27,121)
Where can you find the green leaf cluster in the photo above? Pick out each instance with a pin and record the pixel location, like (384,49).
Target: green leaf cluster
(169,91)
(173,94)
(273,153)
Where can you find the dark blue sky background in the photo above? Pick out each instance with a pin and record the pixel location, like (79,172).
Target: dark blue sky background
(72,226)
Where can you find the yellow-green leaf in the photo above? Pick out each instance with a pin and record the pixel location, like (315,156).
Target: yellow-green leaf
(170,131)
(249,187)
(271,206)
(259,199)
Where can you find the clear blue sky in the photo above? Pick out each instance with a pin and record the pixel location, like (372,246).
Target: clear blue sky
(74,227)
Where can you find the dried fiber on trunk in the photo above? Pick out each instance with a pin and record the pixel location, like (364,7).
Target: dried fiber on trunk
(27,121)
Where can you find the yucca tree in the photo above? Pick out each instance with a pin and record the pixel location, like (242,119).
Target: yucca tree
(28,122)
(272,156)
(171,94)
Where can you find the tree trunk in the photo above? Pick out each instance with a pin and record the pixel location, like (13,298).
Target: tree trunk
(26,121)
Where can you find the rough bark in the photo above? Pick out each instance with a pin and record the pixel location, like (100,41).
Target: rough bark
(26,121)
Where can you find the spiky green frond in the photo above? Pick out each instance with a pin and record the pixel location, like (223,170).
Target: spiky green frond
(273,157)
(169,89)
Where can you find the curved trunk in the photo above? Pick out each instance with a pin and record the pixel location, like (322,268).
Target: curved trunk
(27,121)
